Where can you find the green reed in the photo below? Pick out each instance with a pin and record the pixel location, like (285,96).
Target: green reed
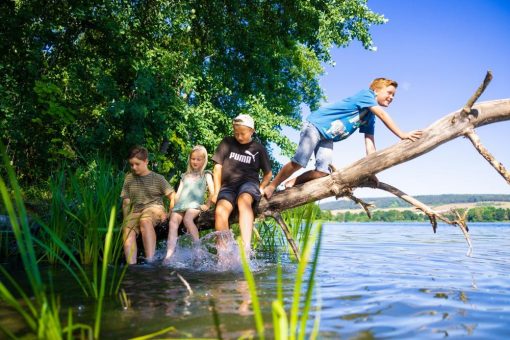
(42,312)
(76,228)
(58,222)
(300,221)
(92,192)
(292,324)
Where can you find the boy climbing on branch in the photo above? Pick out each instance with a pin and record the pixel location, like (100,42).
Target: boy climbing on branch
(336,122)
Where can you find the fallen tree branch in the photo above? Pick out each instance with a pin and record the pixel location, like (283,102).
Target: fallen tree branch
(432,214)
(473,137)
(363,204)
(341,182)
(471,101)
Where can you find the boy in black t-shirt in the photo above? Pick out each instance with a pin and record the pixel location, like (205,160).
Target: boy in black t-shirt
(236,178)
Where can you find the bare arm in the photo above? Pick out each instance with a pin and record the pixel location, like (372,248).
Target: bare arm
(210,188)
(217,181)
(392,126)
(179,191)
(171,204)
(126,204)
(265,181)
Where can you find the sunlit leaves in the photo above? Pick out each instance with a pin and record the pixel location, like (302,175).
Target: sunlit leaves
(100,76)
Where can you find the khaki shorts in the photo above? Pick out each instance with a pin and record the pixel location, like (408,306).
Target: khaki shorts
(154,213)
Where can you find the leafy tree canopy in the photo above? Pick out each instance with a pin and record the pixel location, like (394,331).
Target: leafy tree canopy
(82,78)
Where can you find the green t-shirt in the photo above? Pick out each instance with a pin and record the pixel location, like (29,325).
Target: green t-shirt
(144,191)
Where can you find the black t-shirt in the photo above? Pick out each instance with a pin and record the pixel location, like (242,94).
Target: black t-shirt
(241,162)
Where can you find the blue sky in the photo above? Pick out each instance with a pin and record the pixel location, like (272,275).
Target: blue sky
(439,52)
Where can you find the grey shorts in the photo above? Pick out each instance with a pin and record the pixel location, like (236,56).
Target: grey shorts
(311,141)
(233,191)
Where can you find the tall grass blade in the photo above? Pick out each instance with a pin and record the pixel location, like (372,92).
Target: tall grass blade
(7,296)
(155,334)
(8,333)
(259,322)
(23,236)
(280,322)
(19,222)
(311,284)
(294,311)
(104,272)
(279,284)
(216,319)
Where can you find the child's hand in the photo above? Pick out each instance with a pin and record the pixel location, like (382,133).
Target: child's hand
(268,191)
(413,135)
(204,207)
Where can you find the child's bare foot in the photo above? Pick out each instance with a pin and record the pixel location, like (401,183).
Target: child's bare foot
(167,258)
(269,190)
(290,183)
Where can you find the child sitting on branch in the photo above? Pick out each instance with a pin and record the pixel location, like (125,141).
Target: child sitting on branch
(239,159)
(190,198)
(142,204)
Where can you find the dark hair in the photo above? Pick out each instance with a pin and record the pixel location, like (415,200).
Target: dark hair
(139,152)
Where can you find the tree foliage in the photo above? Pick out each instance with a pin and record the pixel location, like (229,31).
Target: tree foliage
(80,78)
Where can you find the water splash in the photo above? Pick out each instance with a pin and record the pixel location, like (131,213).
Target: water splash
(214,252)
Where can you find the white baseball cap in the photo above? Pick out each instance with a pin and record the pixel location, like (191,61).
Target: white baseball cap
(245,120)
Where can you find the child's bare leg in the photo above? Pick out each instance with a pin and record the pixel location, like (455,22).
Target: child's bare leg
(244,202)
(222,213)
(148,238)
(189,223)
(305,177)
(175,220)
(130,249)
(287,170)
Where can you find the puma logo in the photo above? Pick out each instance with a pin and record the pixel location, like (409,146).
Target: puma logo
(252,155)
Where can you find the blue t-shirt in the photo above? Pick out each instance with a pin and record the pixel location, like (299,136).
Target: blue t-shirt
(339,120)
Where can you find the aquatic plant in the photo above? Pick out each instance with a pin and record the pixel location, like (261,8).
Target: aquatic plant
(289,325)
(42,313)
(300,221)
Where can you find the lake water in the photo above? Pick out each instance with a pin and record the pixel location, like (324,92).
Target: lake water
(374,281)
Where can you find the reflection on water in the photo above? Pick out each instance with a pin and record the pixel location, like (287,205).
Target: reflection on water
(375,281)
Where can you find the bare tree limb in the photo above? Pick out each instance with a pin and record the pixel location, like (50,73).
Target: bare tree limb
(467,108)
(279,219)
(473,137)
(432,214)
(364,205)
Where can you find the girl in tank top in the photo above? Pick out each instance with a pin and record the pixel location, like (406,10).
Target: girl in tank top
(190,197)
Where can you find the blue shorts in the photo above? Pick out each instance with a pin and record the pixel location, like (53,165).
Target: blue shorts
(232,192)
(311,141)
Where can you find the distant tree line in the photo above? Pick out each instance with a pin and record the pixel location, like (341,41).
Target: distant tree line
(431,200)
(477,214)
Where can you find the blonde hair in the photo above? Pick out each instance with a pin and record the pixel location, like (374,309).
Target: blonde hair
(203,151)
(379,83)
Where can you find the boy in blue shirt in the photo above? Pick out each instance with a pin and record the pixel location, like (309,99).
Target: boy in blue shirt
(336,122)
